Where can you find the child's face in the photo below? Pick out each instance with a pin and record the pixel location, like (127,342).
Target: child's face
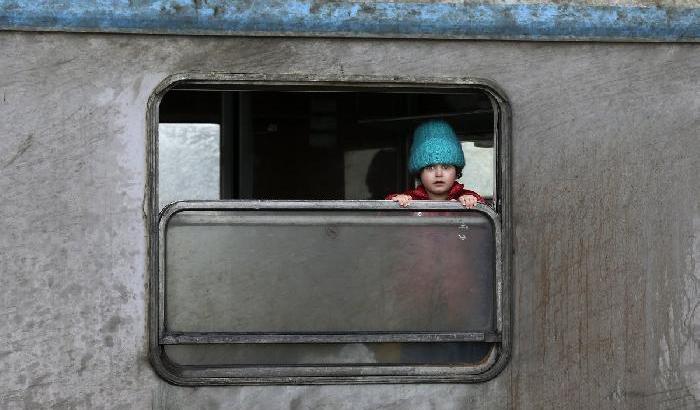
(437,179)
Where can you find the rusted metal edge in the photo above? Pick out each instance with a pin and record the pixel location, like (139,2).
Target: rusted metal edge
(174,338)
(386,19)
(190,375)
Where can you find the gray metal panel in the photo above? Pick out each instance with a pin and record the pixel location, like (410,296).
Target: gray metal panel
(605,201)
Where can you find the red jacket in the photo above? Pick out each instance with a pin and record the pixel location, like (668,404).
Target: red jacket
(456,191)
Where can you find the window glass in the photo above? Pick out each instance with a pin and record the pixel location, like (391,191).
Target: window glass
(323,271)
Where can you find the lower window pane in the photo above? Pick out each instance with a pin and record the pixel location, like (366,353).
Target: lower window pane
(341,271)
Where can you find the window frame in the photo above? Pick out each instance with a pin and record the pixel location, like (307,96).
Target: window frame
(500,216)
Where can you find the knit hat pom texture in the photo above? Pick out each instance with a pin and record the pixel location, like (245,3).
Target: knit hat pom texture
(435,142)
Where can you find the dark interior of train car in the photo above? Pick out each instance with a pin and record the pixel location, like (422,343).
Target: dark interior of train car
(310,145)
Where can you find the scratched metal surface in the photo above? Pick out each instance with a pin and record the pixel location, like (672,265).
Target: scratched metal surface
(627,20)
(605,202)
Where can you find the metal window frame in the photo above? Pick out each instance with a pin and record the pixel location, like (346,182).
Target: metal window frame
(492,365)
(216,209)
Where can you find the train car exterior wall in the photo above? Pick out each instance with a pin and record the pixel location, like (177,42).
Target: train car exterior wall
(605,164)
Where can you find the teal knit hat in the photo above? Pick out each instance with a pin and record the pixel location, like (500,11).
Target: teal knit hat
(435,142)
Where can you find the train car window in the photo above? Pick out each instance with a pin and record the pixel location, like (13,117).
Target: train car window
(312,145)
(275,258)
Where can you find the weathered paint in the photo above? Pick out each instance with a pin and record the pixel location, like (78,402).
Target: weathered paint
(521,21)
(605,207)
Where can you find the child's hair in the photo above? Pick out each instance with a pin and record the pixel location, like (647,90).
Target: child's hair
(435,142)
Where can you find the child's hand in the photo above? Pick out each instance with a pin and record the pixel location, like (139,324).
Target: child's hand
(403,200)
(468,201)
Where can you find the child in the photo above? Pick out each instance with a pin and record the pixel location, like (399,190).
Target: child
(437,159)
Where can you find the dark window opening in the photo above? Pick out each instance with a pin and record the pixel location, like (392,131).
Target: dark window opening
(324,145)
